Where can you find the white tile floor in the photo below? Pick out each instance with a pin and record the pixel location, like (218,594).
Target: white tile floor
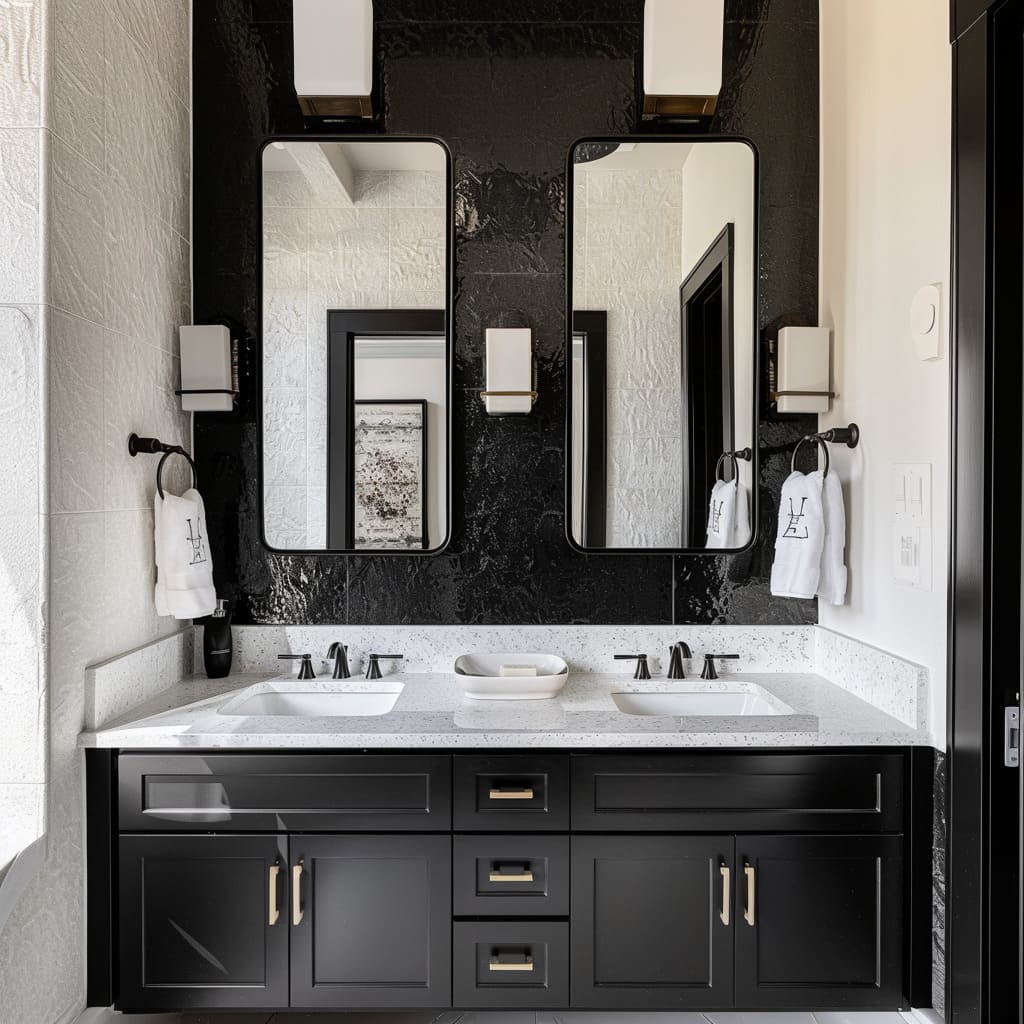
(549,1017)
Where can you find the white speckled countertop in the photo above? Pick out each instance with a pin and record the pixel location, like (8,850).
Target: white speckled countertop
(431,711)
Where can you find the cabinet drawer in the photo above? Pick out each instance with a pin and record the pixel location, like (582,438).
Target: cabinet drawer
(282,792)
(511,793)
(738,793)
(510,964)
(511,876)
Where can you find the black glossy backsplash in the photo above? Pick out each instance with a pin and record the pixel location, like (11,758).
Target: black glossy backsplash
(509,87)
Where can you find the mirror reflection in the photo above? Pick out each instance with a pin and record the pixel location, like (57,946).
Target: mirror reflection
(355,345)
(663,357)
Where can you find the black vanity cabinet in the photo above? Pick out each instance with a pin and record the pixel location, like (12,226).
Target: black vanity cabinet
(819,921)
(201,923)
(650,928)
(371,922)
(670,881)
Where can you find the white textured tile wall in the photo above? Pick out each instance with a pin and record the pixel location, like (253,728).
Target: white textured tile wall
(95,167)
(627,238)
(321,251)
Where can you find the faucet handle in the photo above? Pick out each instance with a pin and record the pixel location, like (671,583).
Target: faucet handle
(306,668)
(709,671)
(373,668)
(677,652)
(642,671)
(339,652)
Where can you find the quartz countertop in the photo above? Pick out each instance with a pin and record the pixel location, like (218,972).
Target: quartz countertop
(432,712)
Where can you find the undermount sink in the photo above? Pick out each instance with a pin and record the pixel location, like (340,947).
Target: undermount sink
(734,699)
(301,700)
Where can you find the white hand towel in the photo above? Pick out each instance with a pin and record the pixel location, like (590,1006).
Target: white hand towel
(832,584)
(800,537)
(184,570)
(741,524)
(721,514)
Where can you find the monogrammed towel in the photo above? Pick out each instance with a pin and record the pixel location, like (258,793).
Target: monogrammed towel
(832,583)
(184,571)
(800,537)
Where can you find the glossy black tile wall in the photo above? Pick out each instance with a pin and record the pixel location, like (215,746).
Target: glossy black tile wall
(509,87)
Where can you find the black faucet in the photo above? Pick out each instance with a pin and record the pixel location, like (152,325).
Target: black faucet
(373,667)
(306,668)
(709,672)
(677,652)
(339,652)
(642,671)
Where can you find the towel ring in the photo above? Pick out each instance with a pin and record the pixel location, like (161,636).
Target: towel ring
(731,456)
(816,440)
(160,468)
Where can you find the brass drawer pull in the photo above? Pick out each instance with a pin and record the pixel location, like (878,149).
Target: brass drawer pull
(273,910)
(510,965)
(748,913)
(525,875)
(725,873)
(297,893)
(511,794)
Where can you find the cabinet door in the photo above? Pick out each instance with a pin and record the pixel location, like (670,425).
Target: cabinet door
(371,921)
(819,922)
(651,923)
(202,922)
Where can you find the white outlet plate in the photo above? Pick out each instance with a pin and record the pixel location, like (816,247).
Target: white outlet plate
(912,525)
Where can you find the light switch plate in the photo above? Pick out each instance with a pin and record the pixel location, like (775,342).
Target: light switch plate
(912,525)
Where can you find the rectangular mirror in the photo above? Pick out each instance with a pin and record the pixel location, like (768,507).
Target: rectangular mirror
(356,271)
(662,417)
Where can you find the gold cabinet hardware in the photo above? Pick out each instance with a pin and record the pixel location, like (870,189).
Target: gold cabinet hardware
(510,965)
(748,913)
(273,910)
(297,893)
(521,876)
(725,873)
(511,794)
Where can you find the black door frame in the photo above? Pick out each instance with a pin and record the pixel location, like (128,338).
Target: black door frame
(983,907)
(592,324)
(718,259)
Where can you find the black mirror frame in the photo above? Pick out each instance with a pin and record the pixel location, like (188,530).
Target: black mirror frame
(449,316)
(755,314)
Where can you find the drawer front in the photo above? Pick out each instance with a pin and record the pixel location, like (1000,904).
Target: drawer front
(501,965)
(282,792)
(511,793)
(511,876)
(740,793)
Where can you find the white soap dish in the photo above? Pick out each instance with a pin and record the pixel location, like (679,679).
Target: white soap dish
(511,676)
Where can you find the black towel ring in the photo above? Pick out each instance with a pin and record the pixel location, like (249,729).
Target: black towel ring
(731,456)
(154,446)
(160,468)
(814,439)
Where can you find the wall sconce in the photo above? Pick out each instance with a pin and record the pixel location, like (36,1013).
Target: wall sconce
(510,371)
(209,368)
(334,57)
(682,57)
(798,370)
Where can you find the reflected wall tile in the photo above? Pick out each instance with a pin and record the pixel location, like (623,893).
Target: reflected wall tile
(21,155)
(21,56)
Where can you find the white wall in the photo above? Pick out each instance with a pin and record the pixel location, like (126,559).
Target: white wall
(885,215)
(627,228)
(718,189)
(323,250)
(111,130)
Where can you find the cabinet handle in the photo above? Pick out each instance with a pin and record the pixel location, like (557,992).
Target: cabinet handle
(522,876)
(273,909)
(510,965)
(725,873)
(511,794)
(297,893)
(748,913)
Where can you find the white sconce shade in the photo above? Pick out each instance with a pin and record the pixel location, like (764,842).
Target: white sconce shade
(509,370)
(682,56)
(333,57)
